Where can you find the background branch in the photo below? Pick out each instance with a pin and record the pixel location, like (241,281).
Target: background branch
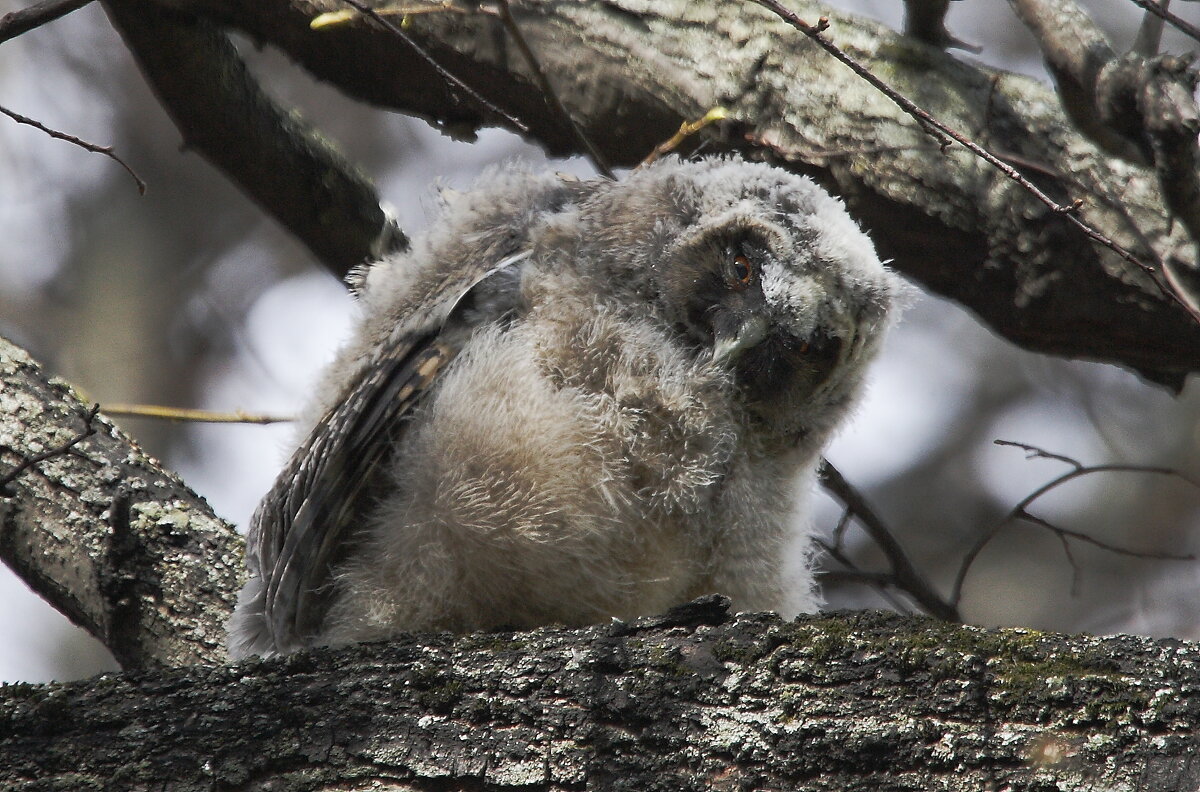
(905,575)
(15,23)
(284,165)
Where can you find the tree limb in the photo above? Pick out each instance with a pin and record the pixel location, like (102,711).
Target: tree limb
(104,534)
(270,153)
(1138,106)
(696,700)
(630,73)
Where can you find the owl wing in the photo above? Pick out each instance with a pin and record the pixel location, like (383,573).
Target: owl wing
(305,525)
(309,521)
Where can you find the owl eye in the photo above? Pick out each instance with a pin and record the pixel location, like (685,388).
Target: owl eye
(741,272)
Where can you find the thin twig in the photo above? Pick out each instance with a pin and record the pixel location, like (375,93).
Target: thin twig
(906,576)
(510,24)
(88,430)
(943,133)
(187,414)
(1034,452)
(24,20)
(105,150)
(883,582)
(1021,510)
(1112,548)
(839,530)
(397,31)
(1178,23)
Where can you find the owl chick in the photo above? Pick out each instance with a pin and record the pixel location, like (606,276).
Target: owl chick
(571,401)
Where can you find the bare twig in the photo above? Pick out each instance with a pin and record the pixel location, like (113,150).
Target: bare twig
(1034,452)
(1021,510)
(944,134)
(882,582)
(839,530)
(1112,548)
(24,20)
(905,574)
(510,24)
(105,150)
(88,430)
(190,415)
(399,33)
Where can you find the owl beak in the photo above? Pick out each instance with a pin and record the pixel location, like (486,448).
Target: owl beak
(731,342)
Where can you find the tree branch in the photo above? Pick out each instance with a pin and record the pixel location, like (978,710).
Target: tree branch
(103,533)
(629,79)
(699,701)
(16,23)
(1141,107)
(83,144)
(904,575)
(272,155)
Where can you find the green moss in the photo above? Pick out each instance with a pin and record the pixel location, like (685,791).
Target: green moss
(436,690)
(668,660)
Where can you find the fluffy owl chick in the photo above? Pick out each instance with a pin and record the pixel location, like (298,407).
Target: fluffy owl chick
(571,401)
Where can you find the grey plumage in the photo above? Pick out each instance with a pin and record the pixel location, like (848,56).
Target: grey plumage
(571,401)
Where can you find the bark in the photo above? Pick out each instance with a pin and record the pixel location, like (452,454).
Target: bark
(630,71)
(104,534)
(696,700)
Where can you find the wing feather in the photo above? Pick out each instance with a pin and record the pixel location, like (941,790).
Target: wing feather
(306,524)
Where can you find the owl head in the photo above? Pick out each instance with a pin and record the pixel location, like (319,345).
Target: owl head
(758,270)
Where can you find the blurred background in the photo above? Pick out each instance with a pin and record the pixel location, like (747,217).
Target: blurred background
(188,296)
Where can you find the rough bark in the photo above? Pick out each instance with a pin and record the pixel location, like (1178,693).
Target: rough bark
(692,701)
(629,71)
(104,534)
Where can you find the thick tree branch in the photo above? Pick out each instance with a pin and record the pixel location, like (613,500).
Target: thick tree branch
(630,73)
(1138,106)
(104,534)
(694,701)
(279,161)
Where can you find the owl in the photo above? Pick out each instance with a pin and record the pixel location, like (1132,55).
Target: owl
(571,401)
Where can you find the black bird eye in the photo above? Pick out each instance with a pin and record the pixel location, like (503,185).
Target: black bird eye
(741,272)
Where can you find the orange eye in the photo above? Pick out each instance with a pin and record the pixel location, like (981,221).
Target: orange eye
(743,271)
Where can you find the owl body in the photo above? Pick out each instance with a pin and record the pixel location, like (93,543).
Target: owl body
(572,401)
